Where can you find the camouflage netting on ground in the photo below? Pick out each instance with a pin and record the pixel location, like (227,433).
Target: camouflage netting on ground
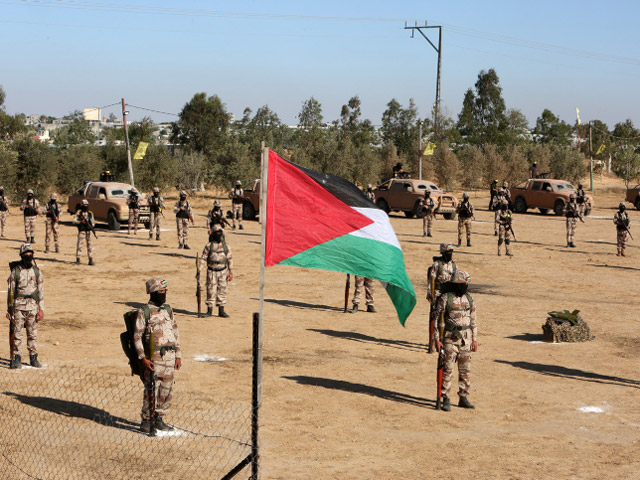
(559,330)
(62,422)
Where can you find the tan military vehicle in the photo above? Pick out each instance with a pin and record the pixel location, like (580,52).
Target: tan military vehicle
(108,202)
(251,204)
(544,194)
(633,196)
(406,194)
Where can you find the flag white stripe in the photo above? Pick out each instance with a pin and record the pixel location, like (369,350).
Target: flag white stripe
(381,230)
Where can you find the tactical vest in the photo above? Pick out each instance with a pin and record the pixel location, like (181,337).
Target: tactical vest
(53,212)
(449,325)
(154,204)
(134,203)
(183,213)
(15,271)
(236,195)
(83,227)
(30,208)
(465,210)
(221,265)
(440,270)
(3,204)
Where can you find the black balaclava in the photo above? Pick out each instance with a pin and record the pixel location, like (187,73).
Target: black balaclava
(447,256)
(27,260)
(85,208)
(216,236)
(158,298)
(29,196)
(621,208)
(460,289)
(1,193)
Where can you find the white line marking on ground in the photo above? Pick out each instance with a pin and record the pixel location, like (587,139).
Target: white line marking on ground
(209,358)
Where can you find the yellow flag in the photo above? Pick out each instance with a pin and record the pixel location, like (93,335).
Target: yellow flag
(140,151)
(578,115)
(429,149)
(601,149)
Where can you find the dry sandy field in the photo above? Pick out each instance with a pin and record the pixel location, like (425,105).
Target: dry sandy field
(352,396)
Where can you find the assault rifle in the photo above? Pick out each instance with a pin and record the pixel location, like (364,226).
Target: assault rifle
(12,335)
(432,287)
(89,224)
(347,286)
(152,384)
(440,367)
(626,227)
(198,288)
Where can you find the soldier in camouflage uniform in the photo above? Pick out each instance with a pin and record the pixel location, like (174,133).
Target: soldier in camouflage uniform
(460,338)
(215,216)
(156,204)
(493,191)
(504,233)
(219,259)
(371,196)
(428,209)
(25,305)
(85,222)
(465,216)
(441,271)
(572,212)
(581,199)
(52,225)
(30,206)
(166,357)
(183,213)
(237,200)
(498,201)
(368,285)
(621,221)
(4,210)
(507,193)
(133,203)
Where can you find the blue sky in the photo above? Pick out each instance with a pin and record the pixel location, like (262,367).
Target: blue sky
(159,54)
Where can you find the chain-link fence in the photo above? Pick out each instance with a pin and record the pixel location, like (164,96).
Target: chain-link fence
(62,422)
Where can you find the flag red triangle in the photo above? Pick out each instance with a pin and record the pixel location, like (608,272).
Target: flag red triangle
(301,213)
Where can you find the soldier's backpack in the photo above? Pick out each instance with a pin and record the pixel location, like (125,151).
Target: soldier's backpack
(126,337)
(15,271)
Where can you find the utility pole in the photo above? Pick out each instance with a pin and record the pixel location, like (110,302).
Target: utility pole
(420,149)
(438,49)
(590,157)
(126,141)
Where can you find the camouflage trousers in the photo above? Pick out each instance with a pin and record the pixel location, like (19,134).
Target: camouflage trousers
(82,238)
(183,230)
(3,222)
(237,213)
(464,224)
(455,351)
(30,226)
(622,239)
(217,283)
(572,222)
(366,284)
(427,221)
(51,230)
(496,223)
(164,370)
(133,220)
(25,319)
(154,225)
(504,236)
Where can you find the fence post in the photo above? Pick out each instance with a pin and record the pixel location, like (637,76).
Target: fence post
(256,395)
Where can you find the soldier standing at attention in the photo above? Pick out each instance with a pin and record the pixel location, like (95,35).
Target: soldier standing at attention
(369,193)
(428,208)
(465,216)
(507,193)
(621,221)
(498,201)
(441,271)
(572,212)
(368,285)
(183,215)
(504,233)
(237,198)
(581,199)
(134,210)
(4,209)
(493,191)
(156,204)
(25,304)
(219,259)
(30,207)
(460,338)
(85,222)
(52,215)
(156,317)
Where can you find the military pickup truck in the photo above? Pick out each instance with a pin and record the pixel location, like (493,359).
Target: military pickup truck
(251,204)
(633,196)
(108,202)
(406,194)
(544,194)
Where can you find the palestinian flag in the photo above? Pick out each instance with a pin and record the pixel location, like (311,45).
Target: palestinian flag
(315,220)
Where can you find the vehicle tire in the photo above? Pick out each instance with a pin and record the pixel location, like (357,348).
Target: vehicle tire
(418,210)
(383,205)
(520,206)
(449,216)
(558,207)
(544,211)
(248,212)
(638,202)
(409,214)
(112,221)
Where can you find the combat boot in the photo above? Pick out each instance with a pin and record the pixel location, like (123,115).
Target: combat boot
(241,227)
(187,247)
(429,235)
(468,243)
(33,240)
(459,243)
(354,309)
(424,234)
(209,312)
(16,362)
(465,403)
(57,249)
(179,246)
(33,361)
(91,262)
(222,313)
(446,404)
(572,245)
(158,236)
(509,254)
(371,309)
(160,425)
(46,249)
(622,253)
(77,260)
(499,254)
(145,426)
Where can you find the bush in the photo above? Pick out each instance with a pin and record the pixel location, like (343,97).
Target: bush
(567,164)
(75,165)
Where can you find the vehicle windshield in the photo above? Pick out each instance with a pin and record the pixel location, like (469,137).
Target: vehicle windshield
(118,193)
(564,186)
(424,186)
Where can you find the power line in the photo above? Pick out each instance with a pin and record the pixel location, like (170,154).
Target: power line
(152,110)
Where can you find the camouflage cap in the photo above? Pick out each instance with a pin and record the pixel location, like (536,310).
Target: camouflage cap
(133,190)
(26,247)
(446,247)
(156,190)
(29,192)
(369,186)
(622,205)
(84,202)
(238,182)
(183,193)
(54,196)
(460,277)
(216,203)
(465,195)
(156,283)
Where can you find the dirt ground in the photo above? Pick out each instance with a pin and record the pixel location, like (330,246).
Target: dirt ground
(352,396)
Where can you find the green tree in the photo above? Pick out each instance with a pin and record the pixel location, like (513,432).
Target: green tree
(625,163)
(360,132)
(158,169)
(75,165)
(8,167)
(3,97)
(203,124)
(76,132)
(36,167)
(551,130)
(446,167)
(518,132)
(141,131)
(400,127)
(567,164)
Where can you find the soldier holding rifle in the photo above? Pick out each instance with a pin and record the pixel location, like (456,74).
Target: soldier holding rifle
(52,216)
(438,274)
(621,221)
(85,222)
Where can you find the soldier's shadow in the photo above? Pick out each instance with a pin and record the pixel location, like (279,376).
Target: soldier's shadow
(68,408)
(55,260)
(621,267)
(360,337)
(303,305)
(362,389)
(180,311)
(177,255)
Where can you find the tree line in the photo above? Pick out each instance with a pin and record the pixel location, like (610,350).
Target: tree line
(486,141)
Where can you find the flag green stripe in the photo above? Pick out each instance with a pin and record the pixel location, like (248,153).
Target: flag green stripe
(367,258)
